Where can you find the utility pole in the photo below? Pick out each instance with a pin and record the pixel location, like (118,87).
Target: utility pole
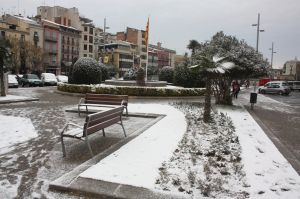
(258,31)
(272,52)
(104,39)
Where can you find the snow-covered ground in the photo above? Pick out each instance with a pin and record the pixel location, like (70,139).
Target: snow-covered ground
(267,172)
(14,130)
(13,98)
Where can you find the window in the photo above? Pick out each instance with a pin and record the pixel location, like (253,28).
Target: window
(84,47)
(91,30)
(85,37)
(91,39)
(84,55)
(90,48)
(85,29)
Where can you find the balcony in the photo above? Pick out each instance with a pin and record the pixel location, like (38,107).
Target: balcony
(50,38)
(51,51)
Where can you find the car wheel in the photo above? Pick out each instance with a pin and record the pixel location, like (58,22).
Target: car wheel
(263,92)
(280,92)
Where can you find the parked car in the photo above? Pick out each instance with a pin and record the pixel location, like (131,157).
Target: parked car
(19,77)
(48,79)
(294,85)
(62,78)
(31,80)
(276,87)
(12,81)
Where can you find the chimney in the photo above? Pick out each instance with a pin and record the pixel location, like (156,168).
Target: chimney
(159,44)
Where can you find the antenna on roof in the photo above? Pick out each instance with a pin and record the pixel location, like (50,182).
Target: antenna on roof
(18,6)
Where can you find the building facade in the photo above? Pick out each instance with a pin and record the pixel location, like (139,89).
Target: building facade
(165,56)
(52,46)
(88,32)
(291,70)
(136,37)
(70,42)
(120,54)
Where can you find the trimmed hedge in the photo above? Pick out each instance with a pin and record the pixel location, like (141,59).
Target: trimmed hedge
(132,90)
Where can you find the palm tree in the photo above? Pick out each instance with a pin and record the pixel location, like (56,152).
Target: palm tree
(211,66)
(193,45)
(4,54)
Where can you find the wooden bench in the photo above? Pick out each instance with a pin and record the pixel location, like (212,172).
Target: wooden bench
(103,100)
(93,123)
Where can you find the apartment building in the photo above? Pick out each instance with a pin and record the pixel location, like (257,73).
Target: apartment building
(88,32)
(70,42)
(165,56)
(24,31)
(120,54)
(136,37)
(52,46)
(291,70)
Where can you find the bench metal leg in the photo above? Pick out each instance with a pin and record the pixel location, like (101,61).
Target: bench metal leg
(87,110)
(63,145)
(123,128)
(103,132)
(78,110)
(89,146)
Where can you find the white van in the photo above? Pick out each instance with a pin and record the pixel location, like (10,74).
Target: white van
(294,85)
(48,79)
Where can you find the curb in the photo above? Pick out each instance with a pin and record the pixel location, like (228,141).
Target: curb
(18,100)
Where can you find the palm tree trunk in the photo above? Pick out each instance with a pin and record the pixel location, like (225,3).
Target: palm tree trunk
(207,105)
(2,78)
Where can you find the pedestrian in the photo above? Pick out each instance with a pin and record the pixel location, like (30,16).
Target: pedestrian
(235,89)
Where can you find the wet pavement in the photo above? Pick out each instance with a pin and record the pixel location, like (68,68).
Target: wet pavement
(279,117)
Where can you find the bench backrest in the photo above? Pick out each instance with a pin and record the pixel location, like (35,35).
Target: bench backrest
(100,120)
(106,99)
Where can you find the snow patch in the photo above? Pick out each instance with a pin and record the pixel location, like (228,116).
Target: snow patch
(14,130)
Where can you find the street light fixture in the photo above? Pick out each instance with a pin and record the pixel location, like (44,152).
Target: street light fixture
(272,52)
(258,31)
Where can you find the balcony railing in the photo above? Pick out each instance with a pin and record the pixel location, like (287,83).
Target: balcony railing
(51,51)
(51,38)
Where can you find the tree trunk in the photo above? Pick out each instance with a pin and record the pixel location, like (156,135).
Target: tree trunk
(3,93)
(207,105)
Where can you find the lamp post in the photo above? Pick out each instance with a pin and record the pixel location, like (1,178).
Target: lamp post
(104,38)
(258,31)
(272,52)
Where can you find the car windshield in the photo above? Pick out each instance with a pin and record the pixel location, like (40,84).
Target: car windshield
(32,76)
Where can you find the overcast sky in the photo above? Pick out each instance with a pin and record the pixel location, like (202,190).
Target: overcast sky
(175,22)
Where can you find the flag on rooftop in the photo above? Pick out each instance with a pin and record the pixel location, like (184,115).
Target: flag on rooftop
(147,32)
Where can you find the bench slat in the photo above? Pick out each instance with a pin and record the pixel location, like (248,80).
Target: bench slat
(102,125)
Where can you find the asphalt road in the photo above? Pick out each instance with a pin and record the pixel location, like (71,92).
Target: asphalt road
(279,117)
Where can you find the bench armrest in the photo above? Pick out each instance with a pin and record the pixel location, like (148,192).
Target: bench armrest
(124,103)
(81,101)
(69,124)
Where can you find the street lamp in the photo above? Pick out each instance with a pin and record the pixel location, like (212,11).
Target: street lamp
(258,30)
(272,52)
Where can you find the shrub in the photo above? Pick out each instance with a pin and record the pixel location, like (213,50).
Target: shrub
(131,90)
(86,71)
(166,74)
(183,76)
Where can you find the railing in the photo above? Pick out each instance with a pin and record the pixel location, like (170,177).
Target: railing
(51,38)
